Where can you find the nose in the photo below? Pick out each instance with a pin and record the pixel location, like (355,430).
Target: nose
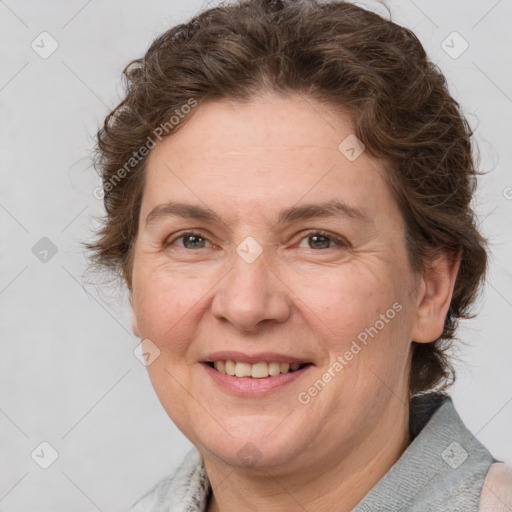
(251,295)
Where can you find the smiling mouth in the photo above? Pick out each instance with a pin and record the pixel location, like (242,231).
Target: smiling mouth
(259,370)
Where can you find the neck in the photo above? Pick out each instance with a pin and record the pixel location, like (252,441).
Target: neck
(321,486)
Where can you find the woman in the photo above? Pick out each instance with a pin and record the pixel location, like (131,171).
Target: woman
(288,188)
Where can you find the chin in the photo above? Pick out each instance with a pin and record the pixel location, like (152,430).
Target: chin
(263,445)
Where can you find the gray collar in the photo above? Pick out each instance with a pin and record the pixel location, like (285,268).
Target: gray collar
(442,470)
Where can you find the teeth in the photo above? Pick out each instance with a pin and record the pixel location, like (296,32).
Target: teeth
(259,370)
(230,367)
(274,369)
(256,371)
(243,370)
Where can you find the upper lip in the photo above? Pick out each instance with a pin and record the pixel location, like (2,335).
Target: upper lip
(242,357)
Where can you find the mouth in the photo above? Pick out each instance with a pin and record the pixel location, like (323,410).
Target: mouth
(253,375)
(258,370)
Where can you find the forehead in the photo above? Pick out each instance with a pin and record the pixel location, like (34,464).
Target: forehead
(267,123)
(273,151)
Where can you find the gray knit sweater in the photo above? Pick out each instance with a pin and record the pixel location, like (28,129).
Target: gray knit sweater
(442,470)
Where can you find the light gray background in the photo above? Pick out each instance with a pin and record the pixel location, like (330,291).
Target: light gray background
(68,373)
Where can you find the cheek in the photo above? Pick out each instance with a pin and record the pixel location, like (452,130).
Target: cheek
(363,319)
(344,301)
(165,305)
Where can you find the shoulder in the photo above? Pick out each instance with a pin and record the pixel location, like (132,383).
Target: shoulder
(496,493)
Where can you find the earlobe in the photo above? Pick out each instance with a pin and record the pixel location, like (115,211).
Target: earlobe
(434,302)
(135,324)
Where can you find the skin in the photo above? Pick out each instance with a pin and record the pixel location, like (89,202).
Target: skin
(305,297)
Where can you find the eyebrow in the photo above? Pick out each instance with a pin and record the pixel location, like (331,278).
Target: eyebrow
(183,210)
(333,208)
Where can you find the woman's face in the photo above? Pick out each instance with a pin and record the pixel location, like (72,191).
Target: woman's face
(266,240)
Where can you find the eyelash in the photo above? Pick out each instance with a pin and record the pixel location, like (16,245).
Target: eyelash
(183,235)
(326,234)
(338,241)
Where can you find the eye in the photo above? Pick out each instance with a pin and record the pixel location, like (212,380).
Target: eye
(190,240)
(322,240)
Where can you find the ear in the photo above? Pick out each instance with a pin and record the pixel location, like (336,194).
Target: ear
(434,299)
(135,324)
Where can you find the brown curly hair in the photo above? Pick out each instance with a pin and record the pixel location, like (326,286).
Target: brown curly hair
(349,59)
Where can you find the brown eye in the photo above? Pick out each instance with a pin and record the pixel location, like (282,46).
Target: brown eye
(319,242)
(193,242)
(188,241)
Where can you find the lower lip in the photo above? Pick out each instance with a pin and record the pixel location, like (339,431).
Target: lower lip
(249,386)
